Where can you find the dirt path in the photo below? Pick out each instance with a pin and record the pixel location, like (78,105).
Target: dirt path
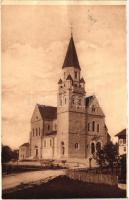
(14,180)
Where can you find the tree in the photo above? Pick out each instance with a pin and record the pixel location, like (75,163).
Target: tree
(7,154)
(107,155)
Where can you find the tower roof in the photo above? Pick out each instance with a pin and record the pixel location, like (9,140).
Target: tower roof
(71,59)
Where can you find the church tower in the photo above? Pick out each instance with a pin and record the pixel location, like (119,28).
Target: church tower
(71,113)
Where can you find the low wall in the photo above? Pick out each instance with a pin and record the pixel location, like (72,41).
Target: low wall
(92,177)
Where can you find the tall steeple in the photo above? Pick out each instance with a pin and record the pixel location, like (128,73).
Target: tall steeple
(71,59)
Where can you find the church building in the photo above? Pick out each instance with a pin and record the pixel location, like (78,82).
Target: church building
(76,128)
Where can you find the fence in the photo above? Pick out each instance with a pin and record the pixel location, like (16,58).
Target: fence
(92,177)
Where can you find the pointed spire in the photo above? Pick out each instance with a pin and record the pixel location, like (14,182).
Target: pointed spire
(71,59)
(82,80)
(60,81)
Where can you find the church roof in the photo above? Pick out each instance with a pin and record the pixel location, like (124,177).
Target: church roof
(69,77)
(48,112)
(121,133)
(88,99)
(71,59)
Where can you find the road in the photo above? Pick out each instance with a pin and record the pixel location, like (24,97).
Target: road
(13,180)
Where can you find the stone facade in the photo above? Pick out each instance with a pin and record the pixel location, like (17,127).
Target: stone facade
(76,128)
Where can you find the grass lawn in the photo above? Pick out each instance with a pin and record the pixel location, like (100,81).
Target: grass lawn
(63,187)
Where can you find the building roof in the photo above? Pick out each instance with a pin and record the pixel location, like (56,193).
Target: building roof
(69,78)
(25,145)
(121,133)
(47,112)
(71,59)
(88,99)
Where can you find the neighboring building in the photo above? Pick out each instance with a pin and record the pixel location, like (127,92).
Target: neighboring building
(122,146)
(76,128)
(24,152)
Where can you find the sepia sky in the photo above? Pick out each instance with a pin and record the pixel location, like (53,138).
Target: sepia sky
(34,43)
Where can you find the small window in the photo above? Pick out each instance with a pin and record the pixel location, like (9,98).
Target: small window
(36,131)
(50,142)
(33,131)
(124,141)
(44,143)
(93,126)
(120,141)
(97,127)
(65,100)
(75,75)
(76,146)
(48,127)
(61,102)
(88,126)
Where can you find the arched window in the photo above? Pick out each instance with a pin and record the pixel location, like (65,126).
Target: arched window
(65,100)
(36,131)
(97,127)
(61,102)
(76,146)
(64,75)
(50,142)
(92,147)
(33,131)
(93,126)
(98,146)
(75,73)
(44,143)
(39,131)
(62,148)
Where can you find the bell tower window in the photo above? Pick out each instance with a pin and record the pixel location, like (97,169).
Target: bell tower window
(75,73)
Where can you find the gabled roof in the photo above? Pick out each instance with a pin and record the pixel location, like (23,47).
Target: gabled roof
(69,78)
(48,112)
(71,59)
(88,99)
(25,144)
(121,133)
(82,80)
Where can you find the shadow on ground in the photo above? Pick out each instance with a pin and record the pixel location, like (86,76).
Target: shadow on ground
(63,187)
